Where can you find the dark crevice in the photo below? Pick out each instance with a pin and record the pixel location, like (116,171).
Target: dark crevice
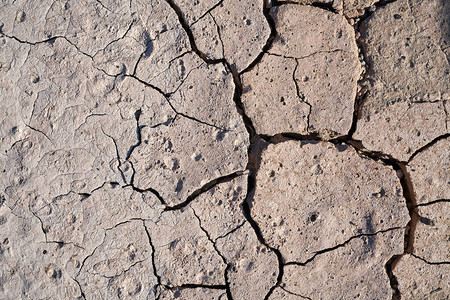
(389,267)
(375,155)
(154,87)
(301,97)
(411,204)
(224,260)
(255,150)
(322,5)
(293,136)
(153,191)
(206,187)
(157,89)
(361,92)
(429,262)
(433,202)
(82,294)
(49,40)
(446,112)
(42,225)
(143,54)
(84,196)
(122,272)
(228,288)
(190,35)
(268,45)
(317,253)
(137,115)
(209,185)
(196,286)
(255,147)
(102,5)
(306,56)
(208,11)
(90,116)
(40,131)
(239,106)
(428,145)
(203,122)
(231,231)
(175,58)
(359,99)
(280,258)
(121,223)
(155,272)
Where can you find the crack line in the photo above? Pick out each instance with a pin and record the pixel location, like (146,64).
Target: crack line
(206,187)
(429,262)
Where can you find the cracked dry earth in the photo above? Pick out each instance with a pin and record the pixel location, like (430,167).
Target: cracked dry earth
(232,149)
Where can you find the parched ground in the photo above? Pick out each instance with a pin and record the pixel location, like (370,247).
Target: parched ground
(231,149)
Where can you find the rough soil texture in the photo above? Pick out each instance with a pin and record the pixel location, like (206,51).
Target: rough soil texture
(225,149)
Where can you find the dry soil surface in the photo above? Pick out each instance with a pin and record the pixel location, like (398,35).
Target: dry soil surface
(224,149)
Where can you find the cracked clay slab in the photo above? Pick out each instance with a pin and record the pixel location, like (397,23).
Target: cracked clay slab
(237,31)
(305,200)
(408,81)
(308,78)
(252,267)
(355,270)
(351,9)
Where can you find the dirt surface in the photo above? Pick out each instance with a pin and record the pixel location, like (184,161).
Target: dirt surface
(224,149)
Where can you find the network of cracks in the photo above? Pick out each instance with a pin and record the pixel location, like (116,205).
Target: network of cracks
(173,149)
